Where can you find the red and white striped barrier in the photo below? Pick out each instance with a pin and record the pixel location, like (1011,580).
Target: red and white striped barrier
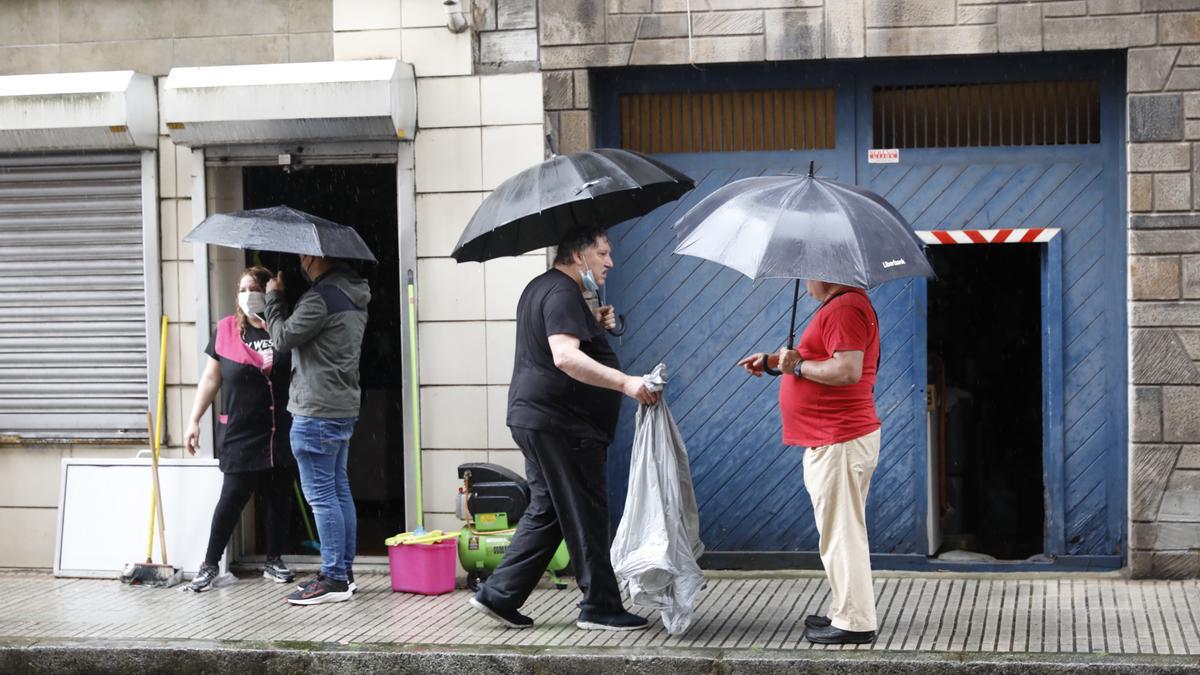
(1030,235)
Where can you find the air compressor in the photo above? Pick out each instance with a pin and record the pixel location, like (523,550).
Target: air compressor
(491,501)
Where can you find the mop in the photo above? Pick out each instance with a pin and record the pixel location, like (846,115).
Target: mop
(162,575)
(419,534)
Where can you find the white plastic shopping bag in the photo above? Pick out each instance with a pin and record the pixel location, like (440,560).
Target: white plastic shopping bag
(658,540)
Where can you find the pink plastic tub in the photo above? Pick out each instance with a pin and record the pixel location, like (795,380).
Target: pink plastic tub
(428,569)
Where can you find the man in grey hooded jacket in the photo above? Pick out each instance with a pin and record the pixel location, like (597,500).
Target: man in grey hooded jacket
(324,332)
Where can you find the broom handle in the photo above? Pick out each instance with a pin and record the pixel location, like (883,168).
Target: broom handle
(158,422)
(153,489)
(162,528)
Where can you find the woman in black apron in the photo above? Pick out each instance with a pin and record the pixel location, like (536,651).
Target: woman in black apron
(252,438)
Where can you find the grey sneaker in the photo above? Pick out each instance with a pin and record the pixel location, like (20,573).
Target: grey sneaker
(312,580)
(324,590)
(204,578)
(278,572)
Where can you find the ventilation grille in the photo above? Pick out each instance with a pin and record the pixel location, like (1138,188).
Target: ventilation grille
(987,115)
(728,121)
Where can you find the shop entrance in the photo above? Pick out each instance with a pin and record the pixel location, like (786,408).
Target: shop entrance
(363,196)
(985,377)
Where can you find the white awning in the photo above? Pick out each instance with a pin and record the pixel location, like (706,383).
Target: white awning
(78,111)
(334,100)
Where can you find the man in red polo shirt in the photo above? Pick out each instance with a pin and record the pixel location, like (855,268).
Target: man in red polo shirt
(827,398)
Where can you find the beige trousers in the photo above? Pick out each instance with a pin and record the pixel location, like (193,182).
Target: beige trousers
(838,477)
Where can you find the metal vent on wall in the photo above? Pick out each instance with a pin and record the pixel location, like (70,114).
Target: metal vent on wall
(1064,112)
(728,121)
(72,298)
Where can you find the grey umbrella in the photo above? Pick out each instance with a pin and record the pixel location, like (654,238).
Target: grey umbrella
(803,227)
(537,207)
(284,230)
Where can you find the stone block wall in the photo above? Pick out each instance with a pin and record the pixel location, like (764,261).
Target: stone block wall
(1161,39)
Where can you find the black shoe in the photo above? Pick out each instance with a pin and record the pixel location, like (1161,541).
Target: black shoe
(816,621)
(836,636)
(324,590)
(511,617)
(312,580)
(309,581)
(204,578)
(618,620)
(278,572)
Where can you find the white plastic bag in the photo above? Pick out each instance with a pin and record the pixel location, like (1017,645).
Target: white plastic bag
(658,540)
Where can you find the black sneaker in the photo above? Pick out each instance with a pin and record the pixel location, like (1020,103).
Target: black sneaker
(312,580)
(324,590)
(278,572)
(619,620)
(204,578)
(511,618)
(309,581)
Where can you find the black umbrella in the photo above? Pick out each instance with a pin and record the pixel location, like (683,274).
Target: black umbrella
(539,206)
(284,230)
(803,227)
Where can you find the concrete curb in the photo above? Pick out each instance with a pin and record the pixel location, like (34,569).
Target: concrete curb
(182,657)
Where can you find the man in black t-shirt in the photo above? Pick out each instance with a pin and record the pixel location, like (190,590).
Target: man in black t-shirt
(563,404)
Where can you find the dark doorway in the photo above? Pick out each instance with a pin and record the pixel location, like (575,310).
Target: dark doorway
(363,196)
(985,366)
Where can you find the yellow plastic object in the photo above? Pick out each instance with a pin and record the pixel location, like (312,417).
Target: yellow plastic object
(431,537)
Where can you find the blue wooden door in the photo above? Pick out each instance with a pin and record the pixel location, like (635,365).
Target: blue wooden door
(700,319)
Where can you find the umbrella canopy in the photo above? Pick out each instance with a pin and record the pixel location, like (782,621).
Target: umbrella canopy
(803,227)
(284,230)
(540,205)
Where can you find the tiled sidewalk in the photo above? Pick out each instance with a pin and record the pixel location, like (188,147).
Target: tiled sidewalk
(937,613)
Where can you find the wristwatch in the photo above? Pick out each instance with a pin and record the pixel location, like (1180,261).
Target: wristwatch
(796,368)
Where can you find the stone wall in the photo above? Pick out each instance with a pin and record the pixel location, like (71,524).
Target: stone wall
(1162,41)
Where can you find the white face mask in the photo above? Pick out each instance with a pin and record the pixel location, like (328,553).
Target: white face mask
(252,303)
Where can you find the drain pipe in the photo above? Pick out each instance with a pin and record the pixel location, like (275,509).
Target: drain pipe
(456,19)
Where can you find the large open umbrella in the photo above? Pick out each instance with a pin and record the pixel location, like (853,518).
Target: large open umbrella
(539,206)
(284,230)
(803,227)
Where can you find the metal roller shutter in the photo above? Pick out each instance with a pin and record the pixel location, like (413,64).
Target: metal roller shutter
(72,297)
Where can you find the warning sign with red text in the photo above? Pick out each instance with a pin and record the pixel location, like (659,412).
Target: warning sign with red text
(883,156)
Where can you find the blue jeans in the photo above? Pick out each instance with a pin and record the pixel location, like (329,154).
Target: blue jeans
(322,446)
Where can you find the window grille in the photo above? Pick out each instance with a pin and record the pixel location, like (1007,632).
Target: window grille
(728,121)
(1065,112)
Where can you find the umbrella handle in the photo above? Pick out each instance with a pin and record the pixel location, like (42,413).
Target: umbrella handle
(620,329)
(768,369)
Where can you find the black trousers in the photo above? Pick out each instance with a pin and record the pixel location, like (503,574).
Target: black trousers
(275,488)
(569,500)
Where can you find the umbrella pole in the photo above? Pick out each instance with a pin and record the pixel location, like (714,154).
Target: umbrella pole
(791,341)
(792,326)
